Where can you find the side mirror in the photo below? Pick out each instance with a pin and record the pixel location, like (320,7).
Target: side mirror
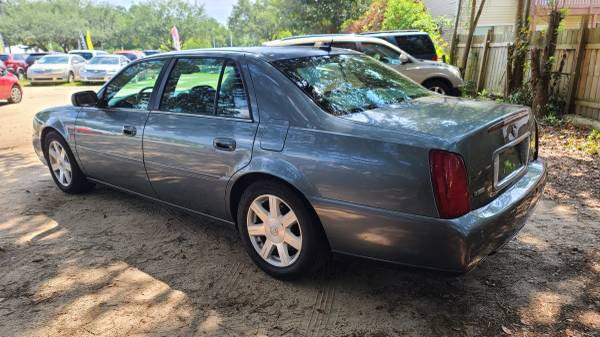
(84,98)
(404,58)
(3,72)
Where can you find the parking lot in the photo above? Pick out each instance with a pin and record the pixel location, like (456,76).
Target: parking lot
(110,264)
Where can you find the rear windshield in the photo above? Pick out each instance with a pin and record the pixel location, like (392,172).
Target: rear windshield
(131,57)
(104,60)
(346,84)
(34,57)
(53,60)
(83,54)
(415,44)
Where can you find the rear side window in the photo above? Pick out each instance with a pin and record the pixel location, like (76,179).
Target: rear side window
(415,44)
(205,86)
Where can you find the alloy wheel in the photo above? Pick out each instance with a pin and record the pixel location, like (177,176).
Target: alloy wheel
(15,94)
(60,163)
(274,230)
(437,89)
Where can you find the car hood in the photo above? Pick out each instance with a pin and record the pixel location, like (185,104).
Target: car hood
(438,116)
(49,66)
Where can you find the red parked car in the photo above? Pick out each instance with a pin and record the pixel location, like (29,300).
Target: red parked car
(15,63)
(10,88)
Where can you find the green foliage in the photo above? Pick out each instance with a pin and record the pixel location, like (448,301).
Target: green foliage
(144,25)
(254,22)
(589,145)
(410,14)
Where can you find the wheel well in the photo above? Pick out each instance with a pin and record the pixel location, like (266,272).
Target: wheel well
(440,79)
(243,182)
(45,132)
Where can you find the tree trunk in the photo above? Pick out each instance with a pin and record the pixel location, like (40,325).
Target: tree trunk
(455,34)
(472,25)
(541,64)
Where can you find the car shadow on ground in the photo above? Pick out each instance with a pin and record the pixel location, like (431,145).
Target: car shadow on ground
(107,263)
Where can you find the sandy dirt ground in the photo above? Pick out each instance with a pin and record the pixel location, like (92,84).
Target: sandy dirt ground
(110,264)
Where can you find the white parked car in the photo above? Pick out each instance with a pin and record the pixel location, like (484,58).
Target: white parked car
(102,68)
(88,54)
(436,76)
(56,68)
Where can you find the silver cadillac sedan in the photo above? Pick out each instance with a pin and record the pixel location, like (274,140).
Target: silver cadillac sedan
(305,151)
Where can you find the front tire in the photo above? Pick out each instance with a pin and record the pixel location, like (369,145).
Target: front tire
(63,168)
(21,74)
(71,77)
(16,94)
(280,231)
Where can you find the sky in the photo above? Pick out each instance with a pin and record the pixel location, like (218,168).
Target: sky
(218,9)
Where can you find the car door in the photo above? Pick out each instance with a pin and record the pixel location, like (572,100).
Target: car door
(200,134)
(109,136)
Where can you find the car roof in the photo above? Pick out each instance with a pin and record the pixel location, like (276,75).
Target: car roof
(336,38)
(327,38)
(394,33)
(266,53)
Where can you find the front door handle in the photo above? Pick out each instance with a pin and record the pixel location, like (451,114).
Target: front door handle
(224,144)
(129,130)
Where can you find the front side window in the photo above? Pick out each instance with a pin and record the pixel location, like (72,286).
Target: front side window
(381,53)
(205,86)
(133,87)
(347,84)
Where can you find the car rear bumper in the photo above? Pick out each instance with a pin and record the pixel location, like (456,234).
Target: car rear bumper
(455,245)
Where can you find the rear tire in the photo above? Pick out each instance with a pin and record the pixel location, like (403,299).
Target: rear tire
(285,241)
(71,77)
(16,94)
(21,74)
(438,86)
(62,165)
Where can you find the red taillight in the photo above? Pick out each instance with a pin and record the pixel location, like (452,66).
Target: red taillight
(450,186)
(435,57)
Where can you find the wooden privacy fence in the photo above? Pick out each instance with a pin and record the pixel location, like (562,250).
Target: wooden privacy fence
(576,68)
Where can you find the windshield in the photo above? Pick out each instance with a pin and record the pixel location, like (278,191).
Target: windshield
(345,84)
(104,60)
(53,60)
(3,57)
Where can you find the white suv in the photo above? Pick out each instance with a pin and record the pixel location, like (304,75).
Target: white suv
(436,76)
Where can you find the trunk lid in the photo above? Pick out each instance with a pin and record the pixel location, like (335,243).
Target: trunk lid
(495,140)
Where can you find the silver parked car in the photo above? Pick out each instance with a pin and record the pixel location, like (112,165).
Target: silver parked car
(436,76)
(56,68)
(306,152)
(102,68)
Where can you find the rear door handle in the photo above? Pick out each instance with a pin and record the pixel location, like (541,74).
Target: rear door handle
(129,130)
(224,144)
